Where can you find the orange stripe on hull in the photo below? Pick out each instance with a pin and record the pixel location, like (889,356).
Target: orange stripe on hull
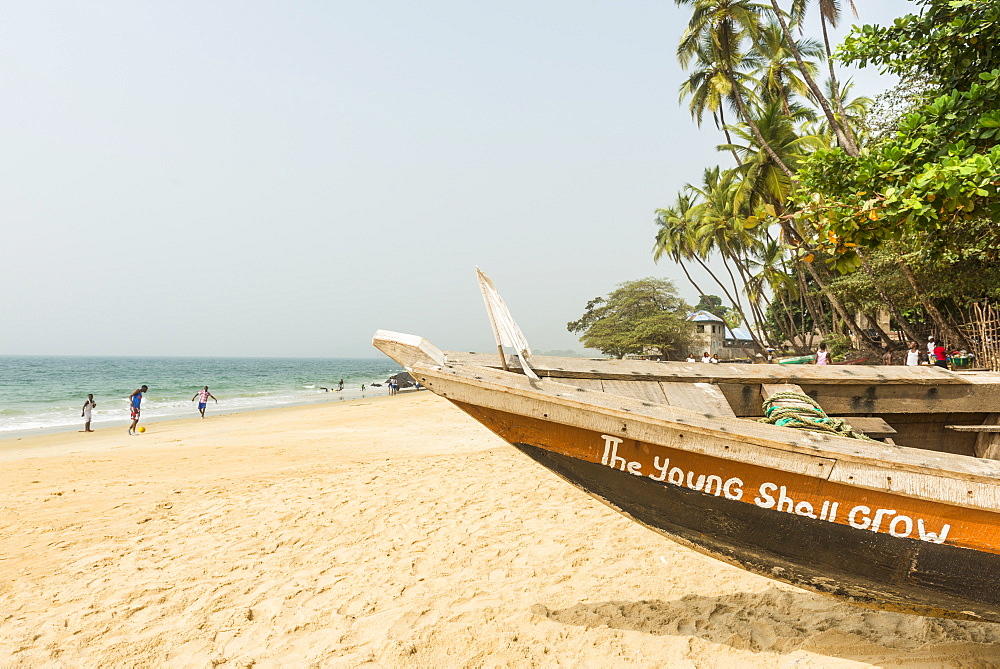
(859,508)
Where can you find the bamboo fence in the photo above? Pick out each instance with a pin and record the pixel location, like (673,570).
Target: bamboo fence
(982,330)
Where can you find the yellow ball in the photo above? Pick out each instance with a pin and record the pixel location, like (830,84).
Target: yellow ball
(142,429)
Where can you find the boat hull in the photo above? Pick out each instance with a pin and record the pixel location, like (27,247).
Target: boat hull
(831,552)
(870,569)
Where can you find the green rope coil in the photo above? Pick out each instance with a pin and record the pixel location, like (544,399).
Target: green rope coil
(809,417)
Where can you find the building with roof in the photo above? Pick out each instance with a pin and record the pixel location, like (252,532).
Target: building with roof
(713,335)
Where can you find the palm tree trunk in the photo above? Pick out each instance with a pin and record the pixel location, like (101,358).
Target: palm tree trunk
(729,139)
(940,323)
(745,117)
(833,81)
(817,322)
(845,141)
(701,293)
(839,308)
(725,291)
(888,301)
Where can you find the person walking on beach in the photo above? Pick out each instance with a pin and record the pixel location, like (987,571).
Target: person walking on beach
(822,355)
(887,356)
(135,404)
(913,355)
(202,397)
(88,406)
(341,386)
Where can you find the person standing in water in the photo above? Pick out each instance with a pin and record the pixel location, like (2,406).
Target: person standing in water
(202,397)
(88,406)
(135,406)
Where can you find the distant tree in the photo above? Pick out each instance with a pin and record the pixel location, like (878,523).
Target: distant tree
(713,305)
(637,316)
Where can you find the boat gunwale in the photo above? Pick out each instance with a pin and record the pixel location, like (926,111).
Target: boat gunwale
(618,370)
(876,456)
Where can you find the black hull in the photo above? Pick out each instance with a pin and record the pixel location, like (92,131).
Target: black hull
(866,568)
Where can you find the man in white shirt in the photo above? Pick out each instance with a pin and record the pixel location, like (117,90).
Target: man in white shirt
(706,357)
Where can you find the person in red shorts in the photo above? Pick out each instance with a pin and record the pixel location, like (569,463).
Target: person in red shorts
(134,406)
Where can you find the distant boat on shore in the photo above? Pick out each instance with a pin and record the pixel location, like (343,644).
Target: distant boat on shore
(809,359)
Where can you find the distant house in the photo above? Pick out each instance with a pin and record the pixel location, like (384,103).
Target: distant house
(713,335)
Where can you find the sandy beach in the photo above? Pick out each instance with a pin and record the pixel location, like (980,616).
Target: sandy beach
(393,532)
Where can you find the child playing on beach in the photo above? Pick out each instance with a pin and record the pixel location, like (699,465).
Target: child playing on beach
(202,397)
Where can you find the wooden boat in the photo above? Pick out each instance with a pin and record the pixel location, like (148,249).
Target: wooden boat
(810,359)
(909,523)
(797,360)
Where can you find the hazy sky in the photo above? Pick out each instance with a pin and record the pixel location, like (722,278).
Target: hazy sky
(282,179)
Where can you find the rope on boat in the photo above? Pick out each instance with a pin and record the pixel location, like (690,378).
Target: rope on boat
(801,411)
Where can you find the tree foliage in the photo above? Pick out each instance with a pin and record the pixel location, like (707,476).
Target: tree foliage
(940,169)
(833,215)
(637,316)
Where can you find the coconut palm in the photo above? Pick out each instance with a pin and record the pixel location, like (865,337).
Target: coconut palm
(709,87)
(844,137)
(726,25)
(777,70)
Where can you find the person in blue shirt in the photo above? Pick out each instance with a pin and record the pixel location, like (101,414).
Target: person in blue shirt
(135,402)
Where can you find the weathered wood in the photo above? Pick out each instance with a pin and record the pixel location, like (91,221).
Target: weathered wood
(767,390)
(974,428)
(589,384)
(704,397)
(649,391)
(900,399)
(867,568)
(872,426)
(884,526)
(775,446)
(988,442)
(926,431)
(407,349)
(625,370)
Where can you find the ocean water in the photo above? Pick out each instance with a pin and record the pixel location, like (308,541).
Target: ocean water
(46,393)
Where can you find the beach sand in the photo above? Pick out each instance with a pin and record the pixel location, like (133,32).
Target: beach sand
(392,532)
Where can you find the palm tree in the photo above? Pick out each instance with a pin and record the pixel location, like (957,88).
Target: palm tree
(710,89)
(777,70)
(673,239)
(829,13)
(725,24)
(843,137)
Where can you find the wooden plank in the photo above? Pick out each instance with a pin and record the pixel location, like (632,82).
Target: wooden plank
(899,399)
(589,384)
(703,397)
(558,403)
(769,389)
(927,431)
(625,370)
(988,443)
(873,426)
(974,428)
(745,399)
(648,391)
